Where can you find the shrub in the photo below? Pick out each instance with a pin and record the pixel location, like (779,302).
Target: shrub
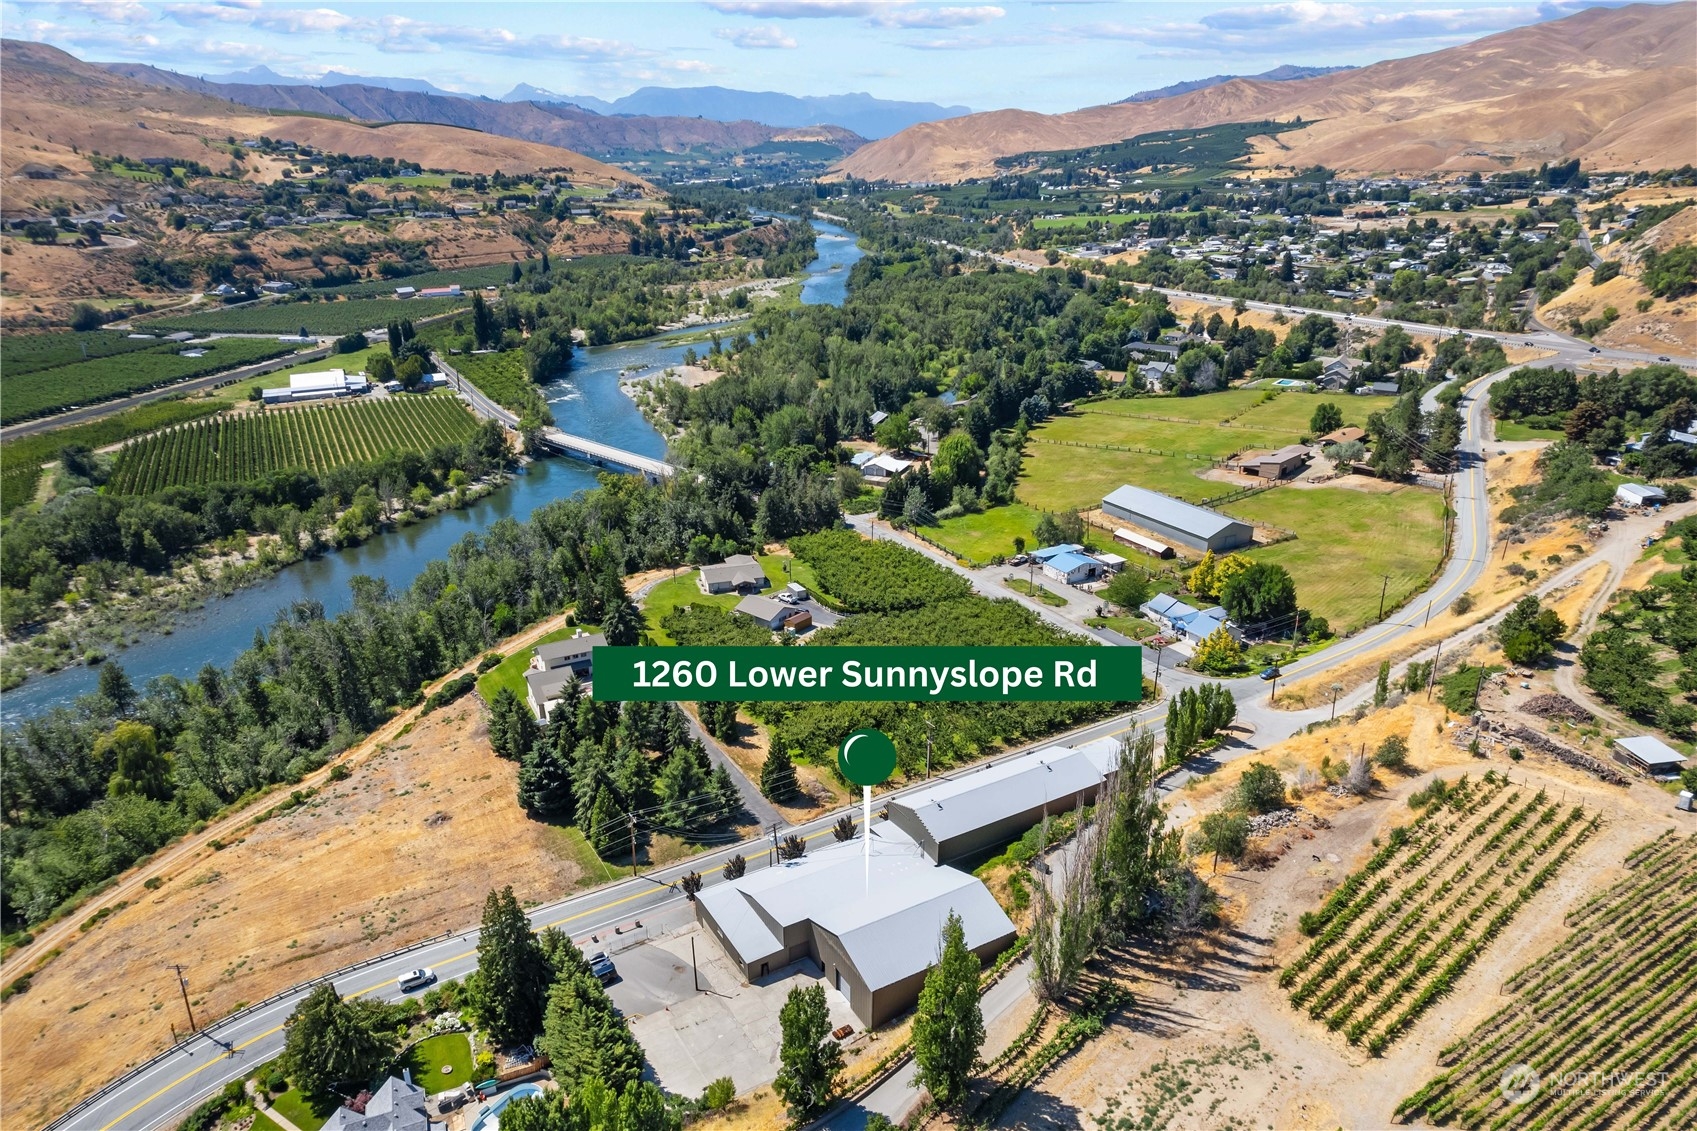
(492,660)
(1261,789)
(1462,605)
(1392,753)
(719,1094)
(154,883)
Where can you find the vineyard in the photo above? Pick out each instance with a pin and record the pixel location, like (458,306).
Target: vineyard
(37,393)
(31,353)
(1606,1021)
(322,318)
(237,449)
(1395,936)
(21,459)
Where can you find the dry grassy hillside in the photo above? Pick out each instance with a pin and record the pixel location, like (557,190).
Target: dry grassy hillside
(1665,326)
(58,109)
(1615,87)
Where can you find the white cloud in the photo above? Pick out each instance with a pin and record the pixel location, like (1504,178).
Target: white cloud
(795,9)
(758,38)
(937,17)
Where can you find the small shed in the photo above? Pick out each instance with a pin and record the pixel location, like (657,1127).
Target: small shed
(1640,495)
(1648,753)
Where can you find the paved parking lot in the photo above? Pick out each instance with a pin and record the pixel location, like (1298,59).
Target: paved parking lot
(727,1028)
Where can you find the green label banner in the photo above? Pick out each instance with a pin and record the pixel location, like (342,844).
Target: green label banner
(870,674)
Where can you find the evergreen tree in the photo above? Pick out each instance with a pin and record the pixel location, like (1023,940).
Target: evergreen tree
(545,781)
(620,622)
(727,798)
(512,730)
(329,1042)
(686,803)
(607,828)
(585,1036)
(809,1062)
(948,1025)
(513,973)
(777,775)
(115,689)
(1382,685)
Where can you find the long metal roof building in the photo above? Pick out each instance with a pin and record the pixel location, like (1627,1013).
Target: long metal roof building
(1176,520)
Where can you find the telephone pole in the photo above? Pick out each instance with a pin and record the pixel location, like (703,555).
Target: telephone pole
(183,985)
(1382,590)
(633,866)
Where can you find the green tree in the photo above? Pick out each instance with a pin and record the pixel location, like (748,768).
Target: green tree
(512,729)
(777,775)
(1129,589)
(1224,833)
(948,1024)
(684,790)
(1136,851)
(545,782)
(1219,652)
(1382,685)
(513,973)
(621,624)
(1392,753)
(1327,417)
(1529,632)
(1260,790)
(585,1036)
(140,766)
(958,461)
(328,1041)
(381,369)
(113,684)
(809,1061)
(1262,595)
(896,432)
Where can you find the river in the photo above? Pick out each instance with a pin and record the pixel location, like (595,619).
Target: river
(587,401)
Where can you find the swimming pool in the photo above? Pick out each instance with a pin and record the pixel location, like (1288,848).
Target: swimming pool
(1288,383)
(489,1119)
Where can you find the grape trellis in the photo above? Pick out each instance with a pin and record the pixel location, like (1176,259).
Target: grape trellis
(237,449)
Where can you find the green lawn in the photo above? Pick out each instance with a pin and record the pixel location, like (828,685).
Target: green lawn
(1290,411)
(1347,541)
(429,1056)
(308,1115)
(980,537)
(510,671)
(1039,591)
(1514,430)
(263,1122)
(683,590)
(1135,627)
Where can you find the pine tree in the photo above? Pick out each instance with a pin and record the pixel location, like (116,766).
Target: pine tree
(727,798)
(684,793)
(513,973)
(328,1041)
(545,781)
(512,730)
(1382,686)
(809,1063)
(585,1037)
(621,624)
(607,827)
(948,1026)
(777,775)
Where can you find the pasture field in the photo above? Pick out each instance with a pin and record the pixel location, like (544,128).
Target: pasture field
(1291,411)
(38,393)
(1346,540)
(502,376)
(321,318)
(237,449)
(1606,1021)
(1395,936)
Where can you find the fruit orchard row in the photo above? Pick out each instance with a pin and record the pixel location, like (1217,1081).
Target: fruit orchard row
(322,318)
(29,395)
(236,449)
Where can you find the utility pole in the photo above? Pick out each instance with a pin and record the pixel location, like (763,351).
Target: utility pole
(1383,589)
(1432,676)
(928,746)
(634,869)
(183,985)
(695,971)
(772,853)
(1336,687)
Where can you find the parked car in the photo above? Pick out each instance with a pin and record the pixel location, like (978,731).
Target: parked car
(1664,357)
(602,967)
(1270,672)
(1018,559)
(416,979)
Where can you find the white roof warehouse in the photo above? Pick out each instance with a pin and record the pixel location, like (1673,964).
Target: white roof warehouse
(1176,520)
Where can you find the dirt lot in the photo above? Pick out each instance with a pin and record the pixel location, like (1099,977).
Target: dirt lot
(1211,1040)
(284,900)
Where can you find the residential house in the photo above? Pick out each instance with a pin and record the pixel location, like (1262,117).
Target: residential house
(1348,434)
(1187,621)
(1288,460)
(768,611)
(555,664)
(736,574)
(397,1105)
(1379,389)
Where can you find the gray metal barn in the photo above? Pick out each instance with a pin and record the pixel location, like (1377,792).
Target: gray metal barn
(1176,520)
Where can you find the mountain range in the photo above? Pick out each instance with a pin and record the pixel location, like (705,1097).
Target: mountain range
(863,114)
(1283,73)
(1615,87)
(265,76)
(551,123)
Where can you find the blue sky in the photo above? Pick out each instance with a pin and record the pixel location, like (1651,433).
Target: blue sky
(1039,56)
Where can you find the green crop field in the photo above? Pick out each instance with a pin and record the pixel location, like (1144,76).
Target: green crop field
(469,278)
(29,395)
(234,449)
(30,353)
(21,459)
(502,376)
(323,318)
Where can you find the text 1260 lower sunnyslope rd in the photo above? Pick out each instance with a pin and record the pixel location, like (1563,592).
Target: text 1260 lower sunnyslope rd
(870,674)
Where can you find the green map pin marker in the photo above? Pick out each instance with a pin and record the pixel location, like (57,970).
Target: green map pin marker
(867,757)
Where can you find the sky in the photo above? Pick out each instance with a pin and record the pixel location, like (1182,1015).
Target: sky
(1050,56)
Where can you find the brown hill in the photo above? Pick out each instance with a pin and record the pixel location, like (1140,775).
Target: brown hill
(59,108)
(1616,88)
(548,122)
